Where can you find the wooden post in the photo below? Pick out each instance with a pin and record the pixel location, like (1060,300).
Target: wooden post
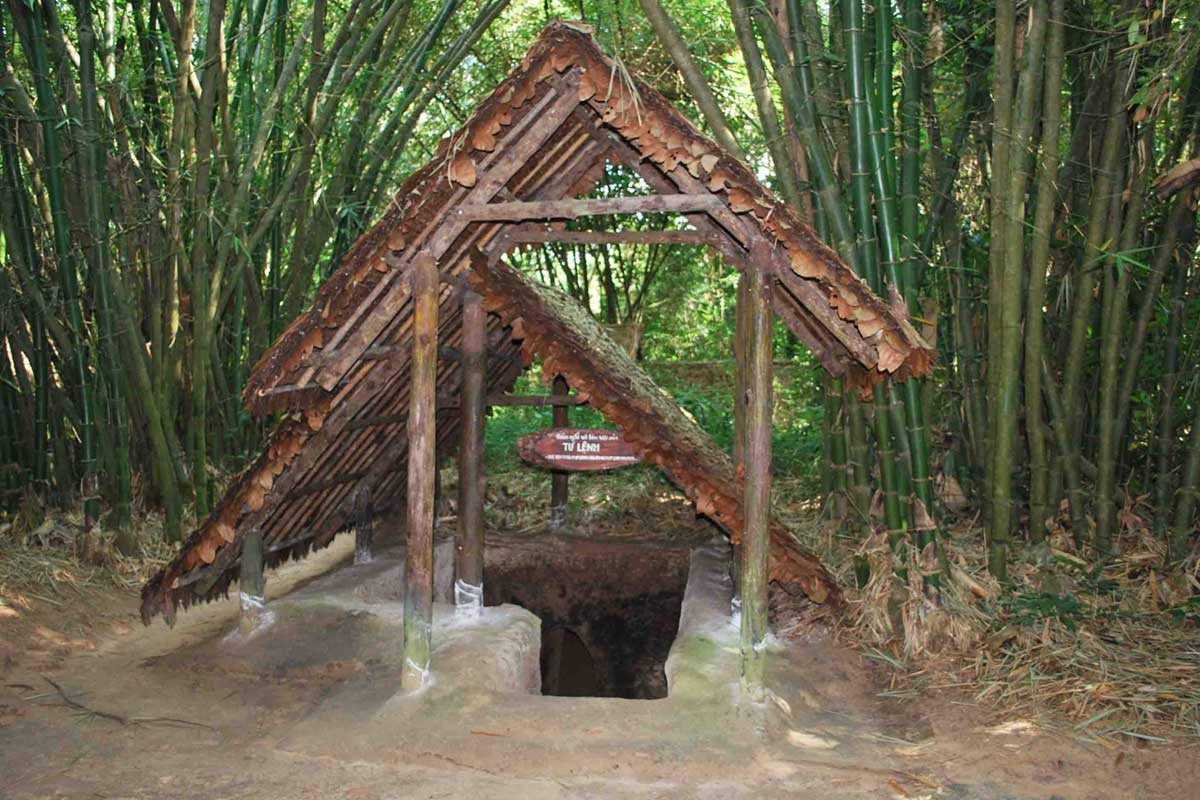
(756,497)
(438,500)
(468,586)
(741,322)
(740,368)
(418,562)
(251,583)
(558,481)
(364,529)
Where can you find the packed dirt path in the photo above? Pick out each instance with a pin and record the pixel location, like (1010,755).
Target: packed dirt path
(145,727)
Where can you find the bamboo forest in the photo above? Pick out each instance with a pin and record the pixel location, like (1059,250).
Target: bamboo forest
(448,375)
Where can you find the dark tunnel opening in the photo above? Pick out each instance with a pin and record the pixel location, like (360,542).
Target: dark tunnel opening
(609,613)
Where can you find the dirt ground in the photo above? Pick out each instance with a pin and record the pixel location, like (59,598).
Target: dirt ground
(129,722)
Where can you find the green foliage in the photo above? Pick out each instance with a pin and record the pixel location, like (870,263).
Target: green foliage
(703,390)
(1030,608)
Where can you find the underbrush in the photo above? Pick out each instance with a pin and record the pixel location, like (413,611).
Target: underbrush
(46,558)
(1103,655)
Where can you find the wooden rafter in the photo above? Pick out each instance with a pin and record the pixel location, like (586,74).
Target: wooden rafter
(531,236)
(572,208)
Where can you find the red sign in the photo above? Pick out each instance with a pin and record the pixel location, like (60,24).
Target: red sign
(577,449)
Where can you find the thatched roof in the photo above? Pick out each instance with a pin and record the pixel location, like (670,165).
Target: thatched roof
(339,373)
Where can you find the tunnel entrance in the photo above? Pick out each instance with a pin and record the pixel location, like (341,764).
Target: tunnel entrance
(609,611)
(568,668)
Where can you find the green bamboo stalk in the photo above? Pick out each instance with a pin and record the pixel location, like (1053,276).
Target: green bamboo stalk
(1060,422)
(159,429)
(902,447)
(781,159)
(862,172)
(22,233)
(1179,223)
(12,466)
(1186,495)
(1165,441)
(858,464)
(1112,353)
(65,255)
(97,213)
(835,410)
(168,362)
(1040,509)
(201,279)
(1001,140)
(1097,235)
(966,352)
(885,95)
(910,159)
(906,277)
(672,40)
(860,155)
(1009,256)
(798,93)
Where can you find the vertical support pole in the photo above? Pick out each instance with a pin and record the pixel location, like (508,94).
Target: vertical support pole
(740,368)
(251,583)
(468,586)
(418,562)
(438,500)
(364,529)
(558,481)
(756,497)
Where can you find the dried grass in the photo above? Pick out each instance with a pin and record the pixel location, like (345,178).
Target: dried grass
(1102,656)
(52,562)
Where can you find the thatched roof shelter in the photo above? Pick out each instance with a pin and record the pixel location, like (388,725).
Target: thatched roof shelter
(339,374)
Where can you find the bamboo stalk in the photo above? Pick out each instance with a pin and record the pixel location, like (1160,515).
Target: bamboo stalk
(20,230)
(64,251)
(97,212)
(1164,443)
(1186,495)
(1112,337)
(1060,422)
(785,172)
(672,40)
(1008,263)
(1039,262)
(1001,140)
(1078,334)
(865,169)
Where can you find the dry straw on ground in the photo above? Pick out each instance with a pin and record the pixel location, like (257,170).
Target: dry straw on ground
(1106,656)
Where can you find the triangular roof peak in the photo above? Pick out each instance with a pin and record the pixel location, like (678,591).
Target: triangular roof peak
(540,135)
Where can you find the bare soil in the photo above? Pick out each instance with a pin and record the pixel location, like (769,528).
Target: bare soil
(159,729)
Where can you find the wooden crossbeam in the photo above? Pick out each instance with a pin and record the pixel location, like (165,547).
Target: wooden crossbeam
(537,236)
(572,208)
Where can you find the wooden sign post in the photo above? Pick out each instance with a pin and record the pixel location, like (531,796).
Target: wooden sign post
(558,482)
(577,449)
